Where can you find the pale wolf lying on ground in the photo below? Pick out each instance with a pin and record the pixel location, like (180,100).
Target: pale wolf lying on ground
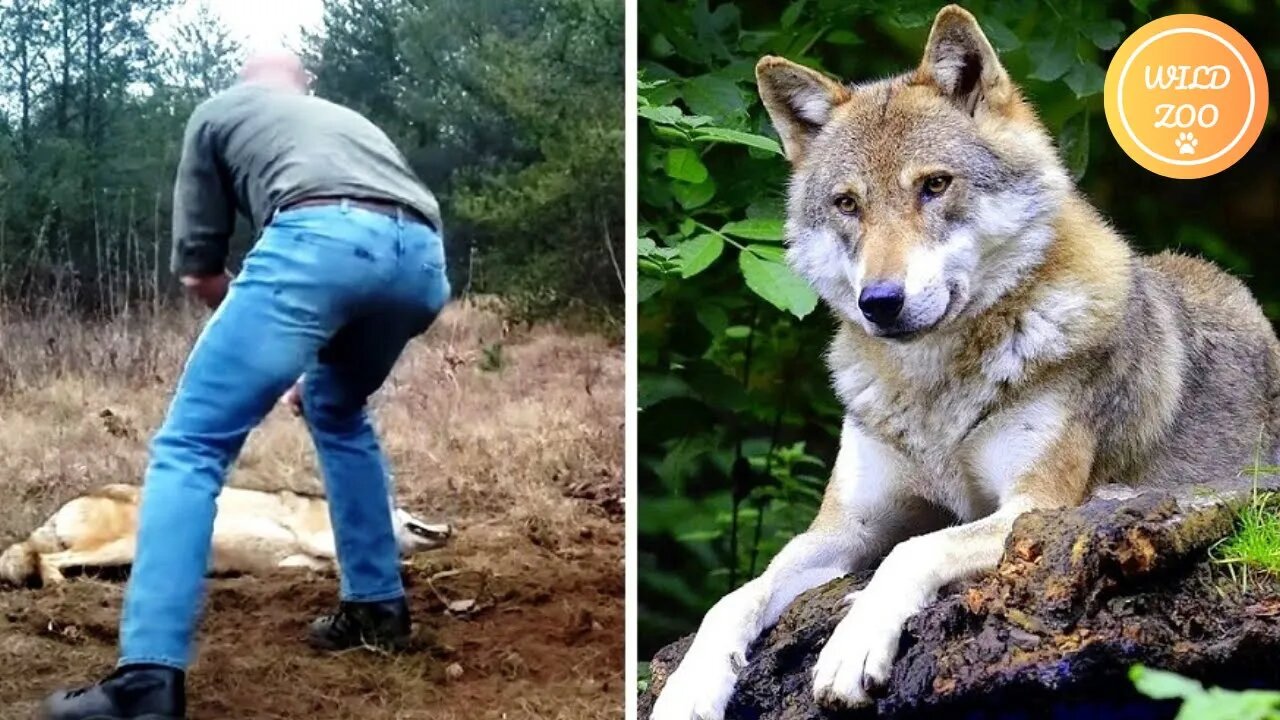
(254,531)
(999,349)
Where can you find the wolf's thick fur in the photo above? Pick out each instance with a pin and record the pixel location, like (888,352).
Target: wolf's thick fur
(254,531)
(1035,357)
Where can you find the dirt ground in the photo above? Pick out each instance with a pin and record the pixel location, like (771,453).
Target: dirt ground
(514,436)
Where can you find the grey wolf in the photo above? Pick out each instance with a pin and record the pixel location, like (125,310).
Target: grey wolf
(348,268)
(1000,349)
(254,532)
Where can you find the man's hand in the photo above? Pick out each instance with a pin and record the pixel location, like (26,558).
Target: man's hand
(210,289)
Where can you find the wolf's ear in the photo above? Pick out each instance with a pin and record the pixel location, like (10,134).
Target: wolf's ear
(799,100)
(961,62)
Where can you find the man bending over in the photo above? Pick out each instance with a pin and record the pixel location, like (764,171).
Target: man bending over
(348,268)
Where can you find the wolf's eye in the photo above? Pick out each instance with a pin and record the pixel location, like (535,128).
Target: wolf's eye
(935,186)
(846,204)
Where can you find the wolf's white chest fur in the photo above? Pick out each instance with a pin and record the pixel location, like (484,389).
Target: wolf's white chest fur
(954,437)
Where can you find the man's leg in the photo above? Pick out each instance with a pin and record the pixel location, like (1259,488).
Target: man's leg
(356,476)
(357,481)
(248,354)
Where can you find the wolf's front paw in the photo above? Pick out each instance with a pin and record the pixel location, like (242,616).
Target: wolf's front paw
(698,690)
(859,655)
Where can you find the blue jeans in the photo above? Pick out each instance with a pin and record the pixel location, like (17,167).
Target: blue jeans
(335,292)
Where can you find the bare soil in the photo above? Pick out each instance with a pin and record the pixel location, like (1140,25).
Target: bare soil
(516,437)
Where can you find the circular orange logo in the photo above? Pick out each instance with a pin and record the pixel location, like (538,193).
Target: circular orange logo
(1186,96)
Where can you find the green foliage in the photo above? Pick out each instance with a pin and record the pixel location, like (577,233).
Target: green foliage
(1199,703)
(737,424)
(512,112)
(93,108)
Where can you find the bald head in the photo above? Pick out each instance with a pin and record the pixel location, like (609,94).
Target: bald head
(279,69)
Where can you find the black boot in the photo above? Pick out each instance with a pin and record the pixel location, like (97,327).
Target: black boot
(132,692)
(380,625)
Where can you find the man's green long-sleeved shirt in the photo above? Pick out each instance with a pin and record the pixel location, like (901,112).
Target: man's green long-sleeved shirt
(256,149)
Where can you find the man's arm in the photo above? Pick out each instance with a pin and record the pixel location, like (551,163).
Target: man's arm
(203,215)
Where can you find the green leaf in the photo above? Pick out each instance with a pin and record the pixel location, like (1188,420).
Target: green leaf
(663,96)
(1086,79)
(1140,5)
(1201,704)
(647,287)
(665,115)
(755,229)
(715,96)
(715,134)
(1219,704)
(684,164)
(1161,685)
(693,121)
(910,18)
(775,282)
(713,318)
(792,13)
(653,388)
(682,461)
(698,254)
(1052,56)
(1000,35)
(692,196)
(669,132)
(645,247)
(1074,141)
(667,253)
(1104,33)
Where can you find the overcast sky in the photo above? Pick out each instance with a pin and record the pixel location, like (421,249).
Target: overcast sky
(260,24)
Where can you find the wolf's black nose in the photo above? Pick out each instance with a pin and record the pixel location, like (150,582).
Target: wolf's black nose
(882,301)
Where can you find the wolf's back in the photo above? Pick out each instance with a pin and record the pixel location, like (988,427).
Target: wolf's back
(1229,412)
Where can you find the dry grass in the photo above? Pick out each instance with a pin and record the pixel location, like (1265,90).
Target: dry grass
(515,437)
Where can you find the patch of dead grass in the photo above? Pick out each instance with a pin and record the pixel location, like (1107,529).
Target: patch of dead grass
(515,436)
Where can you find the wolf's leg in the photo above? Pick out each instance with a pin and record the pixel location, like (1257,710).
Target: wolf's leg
(50,574)
(864,512)
(861,651)
(113,554)
(319,544)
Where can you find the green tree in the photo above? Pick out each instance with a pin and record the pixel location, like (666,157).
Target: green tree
(512,112)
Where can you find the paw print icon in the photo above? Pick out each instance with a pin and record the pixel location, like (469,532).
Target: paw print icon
(1186,143)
